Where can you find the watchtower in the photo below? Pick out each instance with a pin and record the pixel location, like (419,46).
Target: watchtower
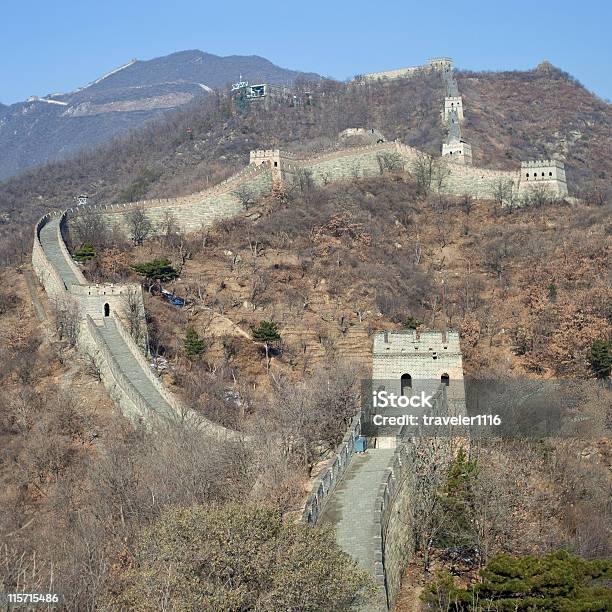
(459,152)
(453,103)
(444,64)
(548,172)
(424,360)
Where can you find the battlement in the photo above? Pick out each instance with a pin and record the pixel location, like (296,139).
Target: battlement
(432,358)
(440,63)
(414,342)
(543,163)
(102,290)
(444,64)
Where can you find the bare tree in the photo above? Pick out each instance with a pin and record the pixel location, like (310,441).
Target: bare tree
(503,192)
(304,180)
(88,227)
(390,162)
(135,315)
(139,225)
(168,228)
(429,172)
(67,320)
(246,197)
(538,196)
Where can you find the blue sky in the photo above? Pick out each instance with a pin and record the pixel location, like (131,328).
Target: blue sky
(50,46)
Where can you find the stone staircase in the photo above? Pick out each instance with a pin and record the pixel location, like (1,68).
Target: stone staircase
(51,246)
(132,369)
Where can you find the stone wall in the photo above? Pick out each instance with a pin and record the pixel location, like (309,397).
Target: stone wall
(327,480)
(71,264)
(477,182)
(442,64)
(91,300)
(46,273)
(118,386)
(197,210)
(355,162)
(393,518)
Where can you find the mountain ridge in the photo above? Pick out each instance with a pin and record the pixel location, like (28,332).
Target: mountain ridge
(58,125)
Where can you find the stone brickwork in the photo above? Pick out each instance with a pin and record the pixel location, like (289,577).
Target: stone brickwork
(196,211)
(329,477)
(425,355)
(393,518)
(478,182)
(354,162)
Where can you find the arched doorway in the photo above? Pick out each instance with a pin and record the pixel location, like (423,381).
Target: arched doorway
(106,310)
(445,379)
(406,383)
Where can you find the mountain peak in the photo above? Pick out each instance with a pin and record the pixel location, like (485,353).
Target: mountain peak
(60,124)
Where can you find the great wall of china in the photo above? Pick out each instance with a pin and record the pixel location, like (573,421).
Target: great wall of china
(374,531)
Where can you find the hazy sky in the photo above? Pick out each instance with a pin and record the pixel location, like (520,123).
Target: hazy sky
(57,45)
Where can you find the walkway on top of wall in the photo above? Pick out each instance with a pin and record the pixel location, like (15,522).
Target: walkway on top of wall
(52,248)
(127,362)
(350,509)
(132,369)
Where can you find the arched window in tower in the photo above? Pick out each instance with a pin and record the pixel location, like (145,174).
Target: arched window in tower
(406,383)
(106,310)
(445,379)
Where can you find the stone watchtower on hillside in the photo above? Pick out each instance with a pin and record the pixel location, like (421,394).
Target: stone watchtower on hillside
(404,360)
(547,172)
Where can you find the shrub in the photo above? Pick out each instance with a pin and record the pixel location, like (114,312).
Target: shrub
(600,358)
(85,253)
(240,558)
(158,269)
(194,345)
(558,581)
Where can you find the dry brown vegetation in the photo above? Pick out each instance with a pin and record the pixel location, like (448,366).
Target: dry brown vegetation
(527,289)
(509,117)
(542,113)
(79,483)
